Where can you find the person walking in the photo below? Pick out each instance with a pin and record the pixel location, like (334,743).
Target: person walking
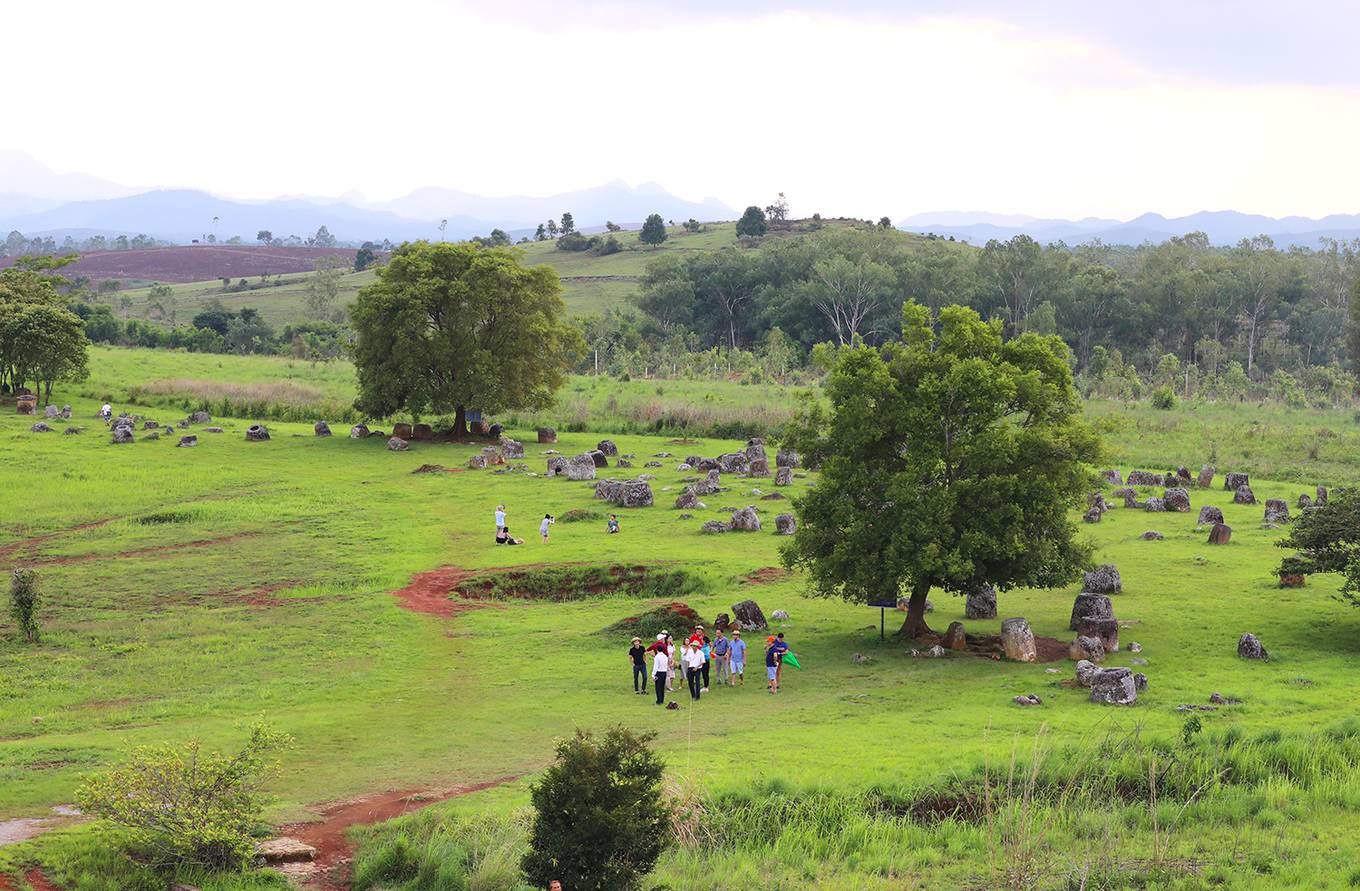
(638,656)
(548,520)
(781,648)
(720,651)
(771,666)
(737,650)
(500,517)
(661,666)
(694,660)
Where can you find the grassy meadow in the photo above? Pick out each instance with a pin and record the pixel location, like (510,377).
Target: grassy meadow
(190,591)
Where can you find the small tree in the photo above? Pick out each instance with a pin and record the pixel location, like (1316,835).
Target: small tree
(600,822)
(552,228)
(778,212)
(653,230)
(187,807)
(23,602)
(752,223)
(612,226)
(540,234)
(885,222)
(1326,538)
(364,256)
(692,225)
(568,224)
(264,236)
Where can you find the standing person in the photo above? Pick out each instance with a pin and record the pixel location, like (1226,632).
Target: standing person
(721,652)
(771,666)
(638,656)
(781,647)
(548,520)
(106,412)
(694,660)
(500,517)
(672,655)
(738,651)
(661,666)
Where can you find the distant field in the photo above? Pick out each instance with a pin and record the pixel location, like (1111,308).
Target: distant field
(197,263)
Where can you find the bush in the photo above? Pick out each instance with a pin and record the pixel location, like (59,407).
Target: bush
(23,602)
(1163,398)
(185,807)
(599,818)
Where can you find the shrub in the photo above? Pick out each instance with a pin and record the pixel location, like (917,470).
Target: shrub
(186,807)
(1163,398)
(599,818)
(578,514)
(23,602)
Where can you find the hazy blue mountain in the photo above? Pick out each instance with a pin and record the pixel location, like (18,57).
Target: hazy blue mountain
(25,181)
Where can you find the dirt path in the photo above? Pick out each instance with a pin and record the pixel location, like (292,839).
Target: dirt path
(330,871)
(141,552)
(26,543)
(35,878)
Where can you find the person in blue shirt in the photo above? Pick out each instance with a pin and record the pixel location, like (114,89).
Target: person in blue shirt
(613,524)
(737,672)
(781,647)
(720,650)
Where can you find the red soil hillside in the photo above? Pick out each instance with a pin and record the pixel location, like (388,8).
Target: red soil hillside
(197,263)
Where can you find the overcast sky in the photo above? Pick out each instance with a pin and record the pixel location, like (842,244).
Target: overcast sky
(862,108)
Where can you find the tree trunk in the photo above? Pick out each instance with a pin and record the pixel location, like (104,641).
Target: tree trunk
(460,430)
(914,626)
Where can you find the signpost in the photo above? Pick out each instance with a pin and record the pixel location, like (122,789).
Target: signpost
(883,607)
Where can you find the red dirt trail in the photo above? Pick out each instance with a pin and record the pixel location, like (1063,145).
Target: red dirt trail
(429,592)
(765,575)
(36,880)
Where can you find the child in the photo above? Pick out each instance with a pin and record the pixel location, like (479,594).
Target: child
(737,648)
(638,656)
(613,524)
(548,520)
(771,666)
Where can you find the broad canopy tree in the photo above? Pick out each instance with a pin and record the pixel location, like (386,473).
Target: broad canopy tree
(950,459)
(41,341)
(1326,538)
(448,327)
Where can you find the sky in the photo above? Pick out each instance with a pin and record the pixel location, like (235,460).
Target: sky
(865,108)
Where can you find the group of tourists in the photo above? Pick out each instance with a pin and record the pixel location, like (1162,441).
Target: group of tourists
(700,659)
(504,537)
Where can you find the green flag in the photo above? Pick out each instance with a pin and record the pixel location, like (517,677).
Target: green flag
(790,659)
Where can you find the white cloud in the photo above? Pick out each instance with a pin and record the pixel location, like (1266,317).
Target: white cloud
(856,117)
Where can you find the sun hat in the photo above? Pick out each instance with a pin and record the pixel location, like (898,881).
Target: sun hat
(770,639)
(637,640)
(661,636)
(736,632)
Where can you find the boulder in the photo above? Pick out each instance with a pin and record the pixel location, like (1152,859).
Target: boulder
(1206,476)
(780,615)
(557,466)
(65,414)
(71,431)
(954,637)
(149,424)
(476,462)
(257,433)
(1017,640)
(122,435)
(199,417)
(397,444)
(51,412)
(402,431)
(1154,505)
(1092,516)
(713,527)
(1125,493)
(1183,475)
(1249,647)
(1234,481)
(785,524)
(1112,477)
(745,520)
(859,659)
(422,432)
(980,603)
(1106,630)
(787,458)
(1208,514)
(1087,648)
(1277,511)
(40,427)
(652,464)
(625,493)
(1305,501)
(153,436)
(1027,699)
(1221,534)
(1321,495)
(187,442)
(1090,605)
(285,850)
(579,468)
(1113,686)
(1086,670)
(1146,478)
(607,448)
(688,500)
(706,486)
(747,615)
(703,465)
(1152,535)
(1292,579)
(358,431)
(1140,681)
(597,458)
(213,430)
(755,449)
(1104,579)
(758,467)
(512,448)
(783,476)
(1097,500)
(321,428)
(1176,499)
(547,435)
(732,462)
(1131,499)
(722,622)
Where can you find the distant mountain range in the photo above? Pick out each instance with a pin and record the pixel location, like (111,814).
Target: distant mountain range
(36,201)
(1223,227)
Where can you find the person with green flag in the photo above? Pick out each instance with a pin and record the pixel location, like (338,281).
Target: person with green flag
(781,652)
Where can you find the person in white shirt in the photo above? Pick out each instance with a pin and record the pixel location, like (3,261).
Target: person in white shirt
(500,517)
(661,666)
(694,662)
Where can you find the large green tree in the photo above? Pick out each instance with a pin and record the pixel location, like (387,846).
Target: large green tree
(653,230)
(1326,538)
(752,223)
(449,327)
(41,341)
(950,459)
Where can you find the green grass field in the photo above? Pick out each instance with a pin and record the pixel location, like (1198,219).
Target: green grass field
(189,591)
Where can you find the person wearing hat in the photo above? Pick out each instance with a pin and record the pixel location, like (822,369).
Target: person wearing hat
(694,662)
(638,656)
(737,655)
(700,636)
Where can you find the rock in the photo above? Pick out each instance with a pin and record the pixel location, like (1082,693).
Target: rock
(1113,686)
(1105,629)
(72,431)
(1206,476)
(623,462)
(475,462)
(713,527)
(980,603)
(758,467)
(682,468)
(1208,515)
(860,659)
(745,520)
(494,430)
(1104,579)
(1221,534)
(783,476)
(780,615)
(182,424)
(1093,515)
(608,490)
(597,458)
(512,448)
(579,468)
(787,458)
(40,427)
(733,462)
(213,430)
(1027,699)
(755,450)
(1152,535)
(1146,478)
(257,433)
(1090,606)
(688,500)
(1087,648)
(1155,505)
(1139,681)
(954,637)
(402,431)
(1321,495)
(199,417)
(625,493)
(397,444)
(722,622)
(148,424)
(1234,481)
(936,652)
(423,433)
(1219,699)
(747,615)
(1086,670)
(558,466)
(285,850)
(547,435)
(652,464)
(1249,647)
(1277,511)
(1097,500)
(153,436)
(1125,493)
(122,435)
(1112,477)
(1292,579)
(321,428)
(187,442)
(51,412)
(1017,640)
(607,448)
(492,455)
(1177,500)
(785,524)
(1305,501)
(662,455)
(1135,647)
